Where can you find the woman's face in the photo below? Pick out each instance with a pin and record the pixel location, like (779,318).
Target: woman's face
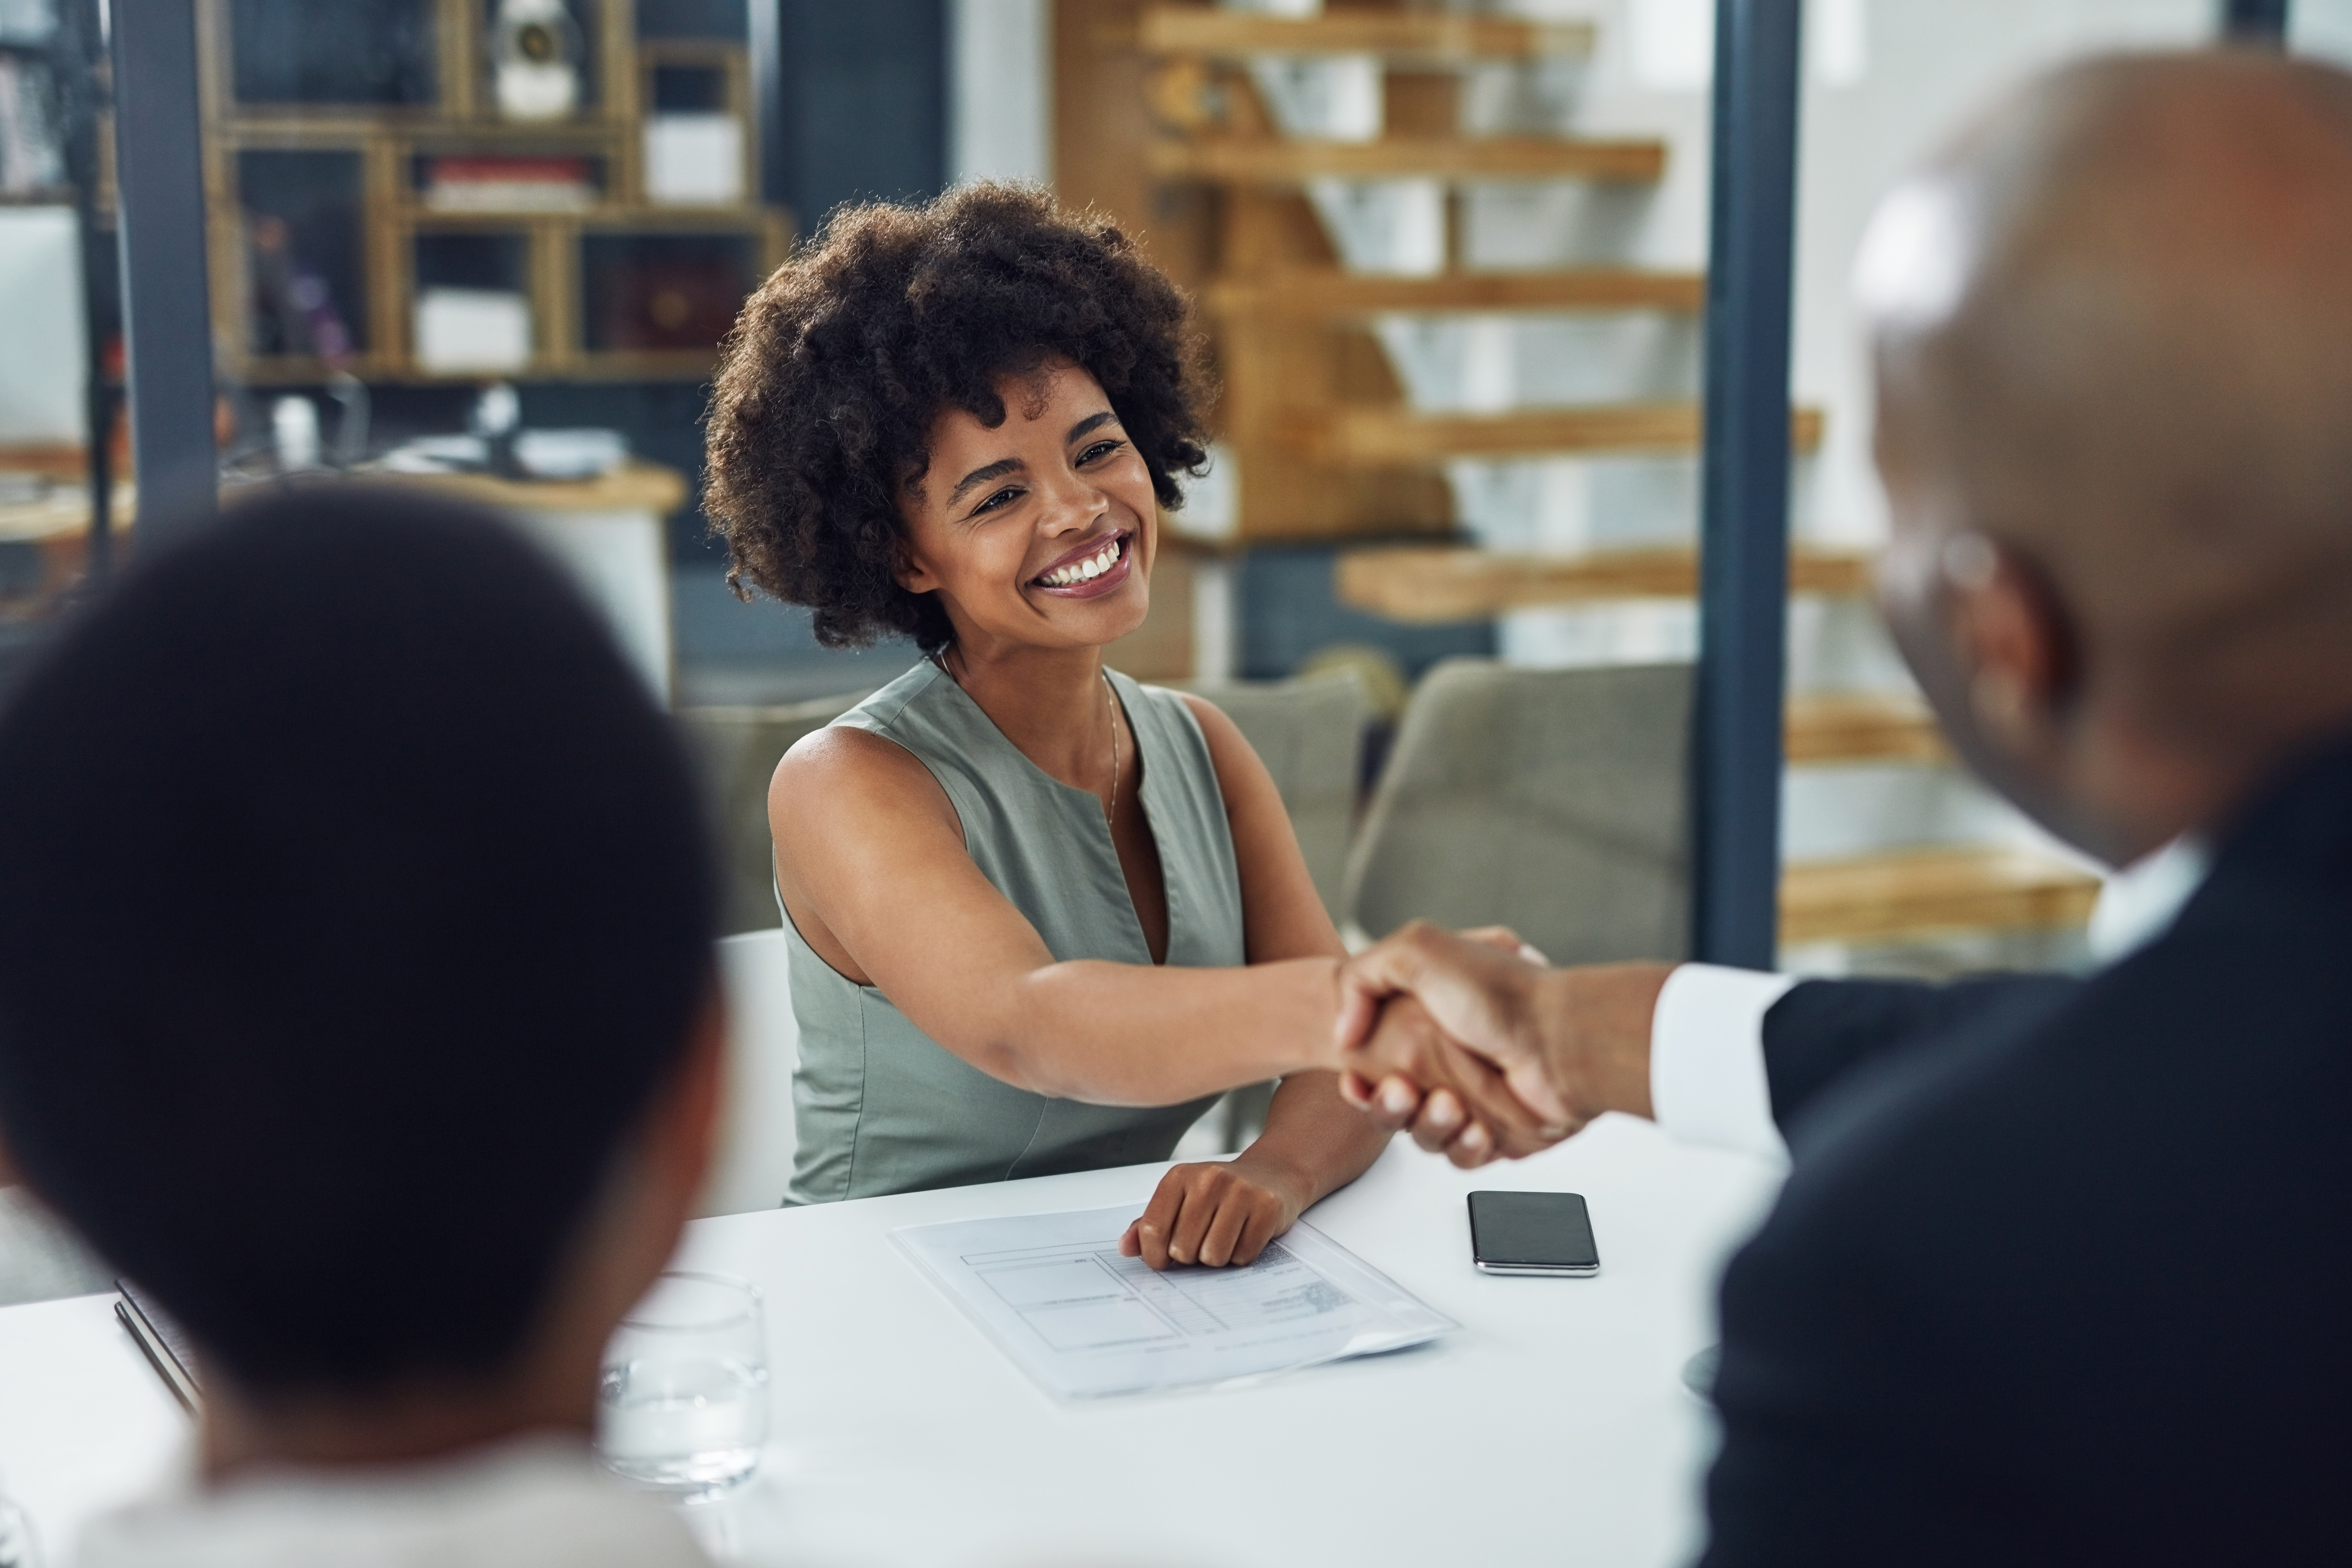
(1041,531)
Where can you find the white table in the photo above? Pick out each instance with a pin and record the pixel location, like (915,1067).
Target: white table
(1555,1422)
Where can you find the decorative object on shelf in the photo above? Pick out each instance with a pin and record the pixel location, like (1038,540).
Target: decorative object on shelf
(497,415)
(585,453)
(294,431)
(537,50)
(662,291)
(468,331)
(694,159)
(31,158)
(294,312)
(508,184)
(693,137)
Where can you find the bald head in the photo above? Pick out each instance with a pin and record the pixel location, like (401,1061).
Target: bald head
(2114,334)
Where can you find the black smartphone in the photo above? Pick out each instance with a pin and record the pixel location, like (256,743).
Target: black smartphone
(1532,1233)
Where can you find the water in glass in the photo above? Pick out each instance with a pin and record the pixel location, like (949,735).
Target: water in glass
(683,1405)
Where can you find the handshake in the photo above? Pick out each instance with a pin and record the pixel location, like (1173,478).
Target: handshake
(1482,1050)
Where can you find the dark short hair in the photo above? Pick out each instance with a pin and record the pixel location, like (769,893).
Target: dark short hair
(354,907)
(845,359)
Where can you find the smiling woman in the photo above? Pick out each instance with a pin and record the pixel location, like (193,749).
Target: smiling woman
(1039,913)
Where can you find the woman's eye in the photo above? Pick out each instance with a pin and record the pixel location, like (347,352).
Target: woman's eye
(1099,449)
(998,501)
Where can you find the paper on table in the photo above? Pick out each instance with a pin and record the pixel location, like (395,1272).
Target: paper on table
(1085,1322)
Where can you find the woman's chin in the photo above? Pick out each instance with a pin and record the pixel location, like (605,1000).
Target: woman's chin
(1093,620)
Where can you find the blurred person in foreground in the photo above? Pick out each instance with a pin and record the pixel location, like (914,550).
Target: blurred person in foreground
(2059,1274)
(357,1000)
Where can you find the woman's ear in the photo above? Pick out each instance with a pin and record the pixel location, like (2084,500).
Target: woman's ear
(908,571)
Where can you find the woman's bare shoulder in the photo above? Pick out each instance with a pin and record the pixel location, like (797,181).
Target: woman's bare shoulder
(843,772)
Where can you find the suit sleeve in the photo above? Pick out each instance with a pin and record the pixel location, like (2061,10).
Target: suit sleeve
(1820,1029)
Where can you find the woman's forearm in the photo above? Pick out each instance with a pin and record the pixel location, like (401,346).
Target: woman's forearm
(1315,1138)
(1121,1033)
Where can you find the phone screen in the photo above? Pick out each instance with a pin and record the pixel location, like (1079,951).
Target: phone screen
(1549,1233)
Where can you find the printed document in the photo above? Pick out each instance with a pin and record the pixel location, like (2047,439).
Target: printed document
(1054,1291)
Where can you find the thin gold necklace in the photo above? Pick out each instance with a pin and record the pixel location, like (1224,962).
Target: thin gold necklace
(1110,702)
(1110,708)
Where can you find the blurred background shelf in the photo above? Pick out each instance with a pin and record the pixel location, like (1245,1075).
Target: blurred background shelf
(1378,437)
(1427,584)
(1423,37)
(365,176)
(1266,162)
(1863,727)
(1922,892)
(1327,294)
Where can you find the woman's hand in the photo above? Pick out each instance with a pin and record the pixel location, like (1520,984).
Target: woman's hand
(1216,1214)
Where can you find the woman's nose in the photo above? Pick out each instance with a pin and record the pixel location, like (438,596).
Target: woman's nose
(1072,505)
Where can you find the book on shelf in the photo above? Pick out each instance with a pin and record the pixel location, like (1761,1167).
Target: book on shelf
(508,183)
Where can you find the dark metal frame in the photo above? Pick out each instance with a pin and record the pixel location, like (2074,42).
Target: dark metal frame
(167,306)
(2256,22)
(1744,528)
(80,46)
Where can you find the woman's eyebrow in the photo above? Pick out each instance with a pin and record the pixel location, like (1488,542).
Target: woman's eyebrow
(995,471)
(1091,422)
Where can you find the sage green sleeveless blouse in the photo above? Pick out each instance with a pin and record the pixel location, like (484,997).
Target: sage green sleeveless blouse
(880,1107)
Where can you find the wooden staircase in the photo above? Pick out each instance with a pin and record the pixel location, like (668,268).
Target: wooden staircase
(1318,434)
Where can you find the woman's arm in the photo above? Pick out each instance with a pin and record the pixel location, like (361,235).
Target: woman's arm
(1315,1142)
(871,862)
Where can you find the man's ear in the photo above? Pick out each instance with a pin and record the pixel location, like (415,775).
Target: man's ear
(2016,641)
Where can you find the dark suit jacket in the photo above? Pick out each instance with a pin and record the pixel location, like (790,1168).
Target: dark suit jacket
(2063,1272)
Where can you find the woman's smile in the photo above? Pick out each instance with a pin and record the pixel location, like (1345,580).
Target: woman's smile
(1090,570)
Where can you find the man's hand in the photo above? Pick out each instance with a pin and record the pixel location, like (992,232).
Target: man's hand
(1568,1043)
(1451,1101)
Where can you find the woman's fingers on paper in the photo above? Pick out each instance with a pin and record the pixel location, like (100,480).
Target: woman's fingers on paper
(1224,1232)
(1192,1220)
(1157,1227)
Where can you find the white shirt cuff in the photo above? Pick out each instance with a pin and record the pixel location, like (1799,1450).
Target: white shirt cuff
(1707,1083)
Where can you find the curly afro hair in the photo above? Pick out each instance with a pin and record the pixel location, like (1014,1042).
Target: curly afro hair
(840,365)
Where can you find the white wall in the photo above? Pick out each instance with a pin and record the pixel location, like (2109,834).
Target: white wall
(40,327)
(1000,118)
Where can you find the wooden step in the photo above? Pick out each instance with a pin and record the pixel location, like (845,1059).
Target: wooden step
(1447,583)
(1417,36)
(1317,294)
(1277,161)
(1379,436)
(1863,727)
(1924,893)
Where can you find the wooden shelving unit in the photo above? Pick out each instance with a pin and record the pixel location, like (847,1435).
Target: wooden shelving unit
(1927,892)
(1435,584)
(1313,412)
(1253,161)
(1325,445)
(1328,294)
(1863,727)
(375,154)
(1364,438)
(1420,38)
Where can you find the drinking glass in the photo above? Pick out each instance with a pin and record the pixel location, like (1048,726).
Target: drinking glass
(18,1546)
(683,1404)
